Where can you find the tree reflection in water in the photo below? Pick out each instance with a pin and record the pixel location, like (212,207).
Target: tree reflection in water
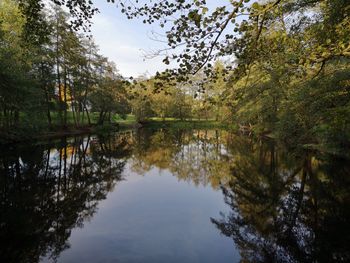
(198,156)
(285,207)
(47,190)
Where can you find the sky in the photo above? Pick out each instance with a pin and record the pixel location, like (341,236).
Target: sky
(126,41)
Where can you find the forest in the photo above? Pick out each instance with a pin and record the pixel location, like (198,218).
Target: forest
(278,68)
(235,150)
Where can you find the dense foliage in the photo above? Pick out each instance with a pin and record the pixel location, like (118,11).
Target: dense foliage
(287,62)
(285,68)
(54,82)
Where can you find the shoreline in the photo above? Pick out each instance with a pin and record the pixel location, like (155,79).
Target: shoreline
(8,139)
(12,138)
(20,136)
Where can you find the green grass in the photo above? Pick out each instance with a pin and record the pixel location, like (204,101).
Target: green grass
(42,130)
(186,124)
(70,120)
(130,119)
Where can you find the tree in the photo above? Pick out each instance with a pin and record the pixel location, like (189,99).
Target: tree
(18,88)
(109,95)
(54,75)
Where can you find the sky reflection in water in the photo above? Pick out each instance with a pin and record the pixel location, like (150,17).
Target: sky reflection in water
(172,196)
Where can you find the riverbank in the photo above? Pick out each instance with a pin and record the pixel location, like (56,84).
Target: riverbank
(16,136)
(22,136)
(187,124)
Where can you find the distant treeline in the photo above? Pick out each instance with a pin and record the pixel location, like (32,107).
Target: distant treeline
(290,75)
(44,79)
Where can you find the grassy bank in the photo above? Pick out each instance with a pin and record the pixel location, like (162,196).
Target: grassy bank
(28,133)
(118,123)
(186,124)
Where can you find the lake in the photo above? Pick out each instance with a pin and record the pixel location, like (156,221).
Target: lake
(172,196)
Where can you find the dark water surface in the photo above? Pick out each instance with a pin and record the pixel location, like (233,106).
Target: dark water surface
(172,196)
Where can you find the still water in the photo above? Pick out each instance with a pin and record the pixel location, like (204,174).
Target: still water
(172,196)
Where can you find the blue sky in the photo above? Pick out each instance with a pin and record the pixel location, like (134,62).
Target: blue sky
(125,41)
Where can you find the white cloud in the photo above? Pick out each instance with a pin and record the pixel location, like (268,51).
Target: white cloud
(123,42)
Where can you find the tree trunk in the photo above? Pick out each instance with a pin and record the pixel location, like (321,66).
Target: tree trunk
(87,114)
(16,118)
(100,118)
(48,113)
(65,97)
(58,76)
(75,113)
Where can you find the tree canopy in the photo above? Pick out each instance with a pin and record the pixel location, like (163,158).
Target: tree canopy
(236,28)
(278,67)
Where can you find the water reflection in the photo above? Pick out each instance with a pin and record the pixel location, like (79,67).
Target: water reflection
(287,207)
(284,207)
(198,156)
(46,191)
